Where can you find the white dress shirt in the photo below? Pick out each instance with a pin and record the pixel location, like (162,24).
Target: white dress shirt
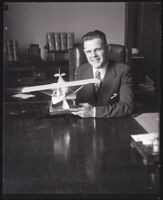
(101,70)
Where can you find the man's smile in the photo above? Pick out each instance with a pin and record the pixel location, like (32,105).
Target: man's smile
(95,60)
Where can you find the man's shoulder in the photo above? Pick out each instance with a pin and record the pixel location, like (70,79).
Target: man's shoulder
(121,67)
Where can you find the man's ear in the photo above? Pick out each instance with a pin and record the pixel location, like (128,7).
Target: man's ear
(84,50)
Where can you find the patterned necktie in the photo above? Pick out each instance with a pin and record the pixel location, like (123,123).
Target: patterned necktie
(97,86)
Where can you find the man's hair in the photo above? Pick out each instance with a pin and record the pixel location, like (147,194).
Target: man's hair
(94,34)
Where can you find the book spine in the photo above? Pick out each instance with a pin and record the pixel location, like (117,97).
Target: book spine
(70,40)
(57,41)
(10,50)
(63,41)
(50,41)
(15,50)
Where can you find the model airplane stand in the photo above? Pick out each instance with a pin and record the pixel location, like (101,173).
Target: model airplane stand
(59,109)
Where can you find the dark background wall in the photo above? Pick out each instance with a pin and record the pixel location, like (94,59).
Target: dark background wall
(143,31)
(29,22)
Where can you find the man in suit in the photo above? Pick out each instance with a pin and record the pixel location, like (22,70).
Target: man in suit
(113,95)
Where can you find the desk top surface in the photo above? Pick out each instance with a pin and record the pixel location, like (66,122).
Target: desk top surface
(66,154)
(70,155)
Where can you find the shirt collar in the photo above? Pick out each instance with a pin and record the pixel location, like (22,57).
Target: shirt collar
(102,70)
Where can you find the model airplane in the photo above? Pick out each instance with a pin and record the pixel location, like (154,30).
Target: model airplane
(58,91)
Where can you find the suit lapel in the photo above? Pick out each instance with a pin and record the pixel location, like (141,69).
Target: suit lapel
(108,83)
(88,90)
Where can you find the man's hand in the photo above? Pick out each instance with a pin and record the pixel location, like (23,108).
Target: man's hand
(86,110)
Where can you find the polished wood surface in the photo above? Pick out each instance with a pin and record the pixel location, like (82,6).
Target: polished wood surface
(70,155)
(66,154)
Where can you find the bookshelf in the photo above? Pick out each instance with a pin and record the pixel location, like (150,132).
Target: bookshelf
(59,54)
(36,72)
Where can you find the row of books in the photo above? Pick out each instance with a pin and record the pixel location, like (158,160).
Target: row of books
(57,41)
(11,50)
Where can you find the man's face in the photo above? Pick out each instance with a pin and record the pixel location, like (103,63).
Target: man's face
(96,52)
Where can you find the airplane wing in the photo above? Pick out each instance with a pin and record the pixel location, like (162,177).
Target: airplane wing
(52,86)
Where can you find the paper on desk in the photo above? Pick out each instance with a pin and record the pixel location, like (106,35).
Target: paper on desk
(146,139)
(149,121)
(23,96)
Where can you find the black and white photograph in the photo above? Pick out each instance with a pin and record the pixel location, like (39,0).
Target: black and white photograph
(81,100)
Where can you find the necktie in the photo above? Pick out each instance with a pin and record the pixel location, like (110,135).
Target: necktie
(97,86)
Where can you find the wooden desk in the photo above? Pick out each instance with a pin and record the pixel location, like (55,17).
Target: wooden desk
(71,155)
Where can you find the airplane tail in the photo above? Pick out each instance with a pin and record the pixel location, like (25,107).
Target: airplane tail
(59,74)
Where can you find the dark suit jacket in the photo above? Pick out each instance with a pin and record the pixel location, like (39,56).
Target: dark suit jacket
(116,95)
